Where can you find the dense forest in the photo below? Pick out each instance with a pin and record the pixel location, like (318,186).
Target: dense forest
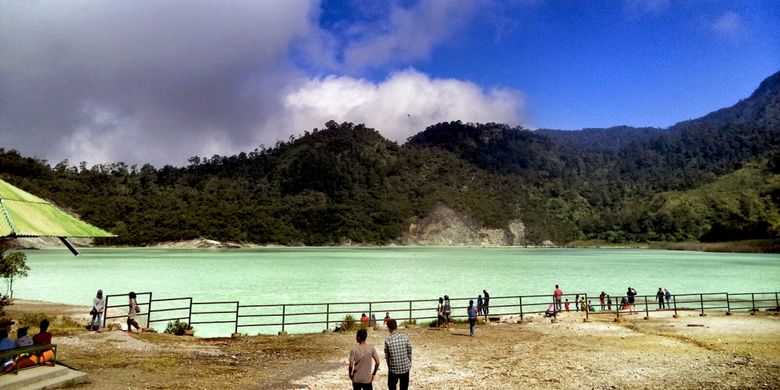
(715,178)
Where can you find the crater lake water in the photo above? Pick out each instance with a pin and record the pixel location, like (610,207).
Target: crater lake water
(349,274)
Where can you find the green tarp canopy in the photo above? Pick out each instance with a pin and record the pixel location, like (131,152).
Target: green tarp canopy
(26,215)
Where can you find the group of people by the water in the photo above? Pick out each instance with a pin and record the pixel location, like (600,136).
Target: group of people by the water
(627,302)
(99,306)
(444,310)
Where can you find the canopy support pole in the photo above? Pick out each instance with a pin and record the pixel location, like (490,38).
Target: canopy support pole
(70,247)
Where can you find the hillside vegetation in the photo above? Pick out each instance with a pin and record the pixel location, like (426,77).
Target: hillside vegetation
(710,179)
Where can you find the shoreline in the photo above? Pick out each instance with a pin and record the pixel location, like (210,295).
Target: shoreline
(716,351)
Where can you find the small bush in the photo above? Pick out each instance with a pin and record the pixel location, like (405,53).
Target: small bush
(348,323)
(33,319)
(177,327)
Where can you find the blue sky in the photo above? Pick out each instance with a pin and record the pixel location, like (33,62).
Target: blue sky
(154,81)
(597,64)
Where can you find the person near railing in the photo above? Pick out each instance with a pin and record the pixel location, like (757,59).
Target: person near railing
(557,295)
(132,310)
(479,304)
(486,309)
(668,296)
(472,317)
(630,294)
(609,302)
(447,310)
(398,354)
(387,318)
(659,296)
(566,305)
(360,362)
(439,313)
(98,305)
(602,298)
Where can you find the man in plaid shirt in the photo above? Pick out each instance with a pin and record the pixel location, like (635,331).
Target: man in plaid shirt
(398,353)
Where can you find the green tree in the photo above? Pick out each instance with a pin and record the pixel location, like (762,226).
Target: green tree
(13,266)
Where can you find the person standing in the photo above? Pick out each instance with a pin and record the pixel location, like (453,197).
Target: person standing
(557,294)
(577,302)
(132,310)
(98,305)
(447,310)
(360,363)
(602,296)
(440,313)
(486,302)
(472,317)
(630,294)
(668,295)
(479,304)
(609,303)
(398,355)
(566,305)
(387,318)
(659,296)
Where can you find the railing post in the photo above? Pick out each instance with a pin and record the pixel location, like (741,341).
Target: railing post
(701,302)
(284,310)
(149,311)
(728,305)
(777,305)
(369,314)
(327,316)
(647,309)
(410,312)
(617,312)
(105,313)
(235,329)
(521,308)
(674,300)
(753,303)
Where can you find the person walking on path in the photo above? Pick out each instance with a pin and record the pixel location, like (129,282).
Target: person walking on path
(557,294)
(659,296)
(98,305)
(360,363)
(398,355)
(668,295)
(602,296)
(472,317)
(132,310)
(486,303)
(479,304)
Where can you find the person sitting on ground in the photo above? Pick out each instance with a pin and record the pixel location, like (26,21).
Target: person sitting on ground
(624,305)
(43,337)
(591,307)
(22,338)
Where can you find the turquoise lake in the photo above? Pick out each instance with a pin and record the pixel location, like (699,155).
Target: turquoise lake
(338,274)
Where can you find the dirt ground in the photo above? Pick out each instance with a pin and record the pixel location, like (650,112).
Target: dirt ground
(715,351)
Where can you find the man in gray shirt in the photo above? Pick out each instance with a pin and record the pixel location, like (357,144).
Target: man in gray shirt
(360,363)
(398,353)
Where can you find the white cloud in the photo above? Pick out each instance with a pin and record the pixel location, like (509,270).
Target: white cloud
(407,34)
(729,25)
(402,105)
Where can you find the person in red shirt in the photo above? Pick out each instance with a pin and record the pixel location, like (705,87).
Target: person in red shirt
(557,294)
(43,337)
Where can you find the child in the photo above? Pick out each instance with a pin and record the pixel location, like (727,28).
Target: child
(566,305)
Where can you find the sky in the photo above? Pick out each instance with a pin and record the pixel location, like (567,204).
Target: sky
(154,81)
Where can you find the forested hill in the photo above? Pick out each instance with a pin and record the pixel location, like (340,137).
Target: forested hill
(346,183)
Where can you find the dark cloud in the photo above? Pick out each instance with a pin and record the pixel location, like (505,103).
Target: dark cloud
(143,80)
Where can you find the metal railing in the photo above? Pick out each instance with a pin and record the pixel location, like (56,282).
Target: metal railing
(307,315)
